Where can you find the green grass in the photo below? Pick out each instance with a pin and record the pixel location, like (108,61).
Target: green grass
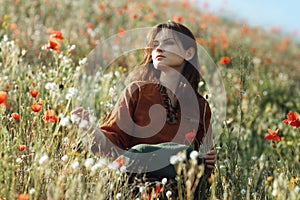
(261,82)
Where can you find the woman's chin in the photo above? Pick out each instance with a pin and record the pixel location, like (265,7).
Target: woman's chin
(160,66)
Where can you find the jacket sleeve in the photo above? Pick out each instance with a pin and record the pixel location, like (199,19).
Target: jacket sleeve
(118,126)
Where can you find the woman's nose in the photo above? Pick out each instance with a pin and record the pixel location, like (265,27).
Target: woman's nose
(159,48)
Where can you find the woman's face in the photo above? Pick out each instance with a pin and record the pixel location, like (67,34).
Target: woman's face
(167,50)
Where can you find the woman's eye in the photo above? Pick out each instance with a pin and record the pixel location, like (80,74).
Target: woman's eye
(155,45)
(169,43)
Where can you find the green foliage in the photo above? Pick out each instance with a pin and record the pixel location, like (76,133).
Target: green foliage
(261,82)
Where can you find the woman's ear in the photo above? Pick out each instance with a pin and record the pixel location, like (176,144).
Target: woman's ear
(189,54)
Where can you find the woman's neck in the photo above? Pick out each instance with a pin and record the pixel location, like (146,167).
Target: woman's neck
(170,78)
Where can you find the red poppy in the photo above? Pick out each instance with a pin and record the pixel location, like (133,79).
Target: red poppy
(36,107)
(149,16)
(50,116)
(31,154)
(90,25)
(245,29)
(120,161)
(133,15)
(203,26)
(13,26)
(120,11)
(3,96)
(56,35)
(121,32)
(225,60)
(190,135)
(101,6)
(34,93)
(178,18)
(291,116)
(296,124)
(53,44)
(199,40)
(23,197)
(16,116)
(272,135)
(158,189)
(155,192)
(21,147)
(292,119)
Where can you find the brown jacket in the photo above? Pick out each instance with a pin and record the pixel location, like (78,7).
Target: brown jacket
(139,117)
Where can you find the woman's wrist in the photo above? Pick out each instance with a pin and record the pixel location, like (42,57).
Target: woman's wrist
(92,138)
(99,138)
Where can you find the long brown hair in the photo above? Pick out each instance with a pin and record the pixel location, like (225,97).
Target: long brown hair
(145,71)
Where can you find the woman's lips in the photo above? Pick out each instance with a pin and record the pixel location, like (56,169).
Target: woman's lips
(160,57)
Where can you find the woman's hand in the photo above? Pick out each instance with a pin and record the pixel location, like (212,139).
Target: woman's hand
(87,127)
(210,160)
(81,118)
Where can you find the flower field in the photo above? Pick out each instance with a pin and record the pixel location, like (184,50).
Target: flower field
(44,48)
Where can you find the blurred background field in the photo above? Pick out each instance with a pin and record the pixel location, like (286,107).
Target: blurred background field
(260,70)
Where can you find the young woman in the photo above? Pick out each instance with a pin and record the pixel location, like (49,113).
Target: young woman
(160,110)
